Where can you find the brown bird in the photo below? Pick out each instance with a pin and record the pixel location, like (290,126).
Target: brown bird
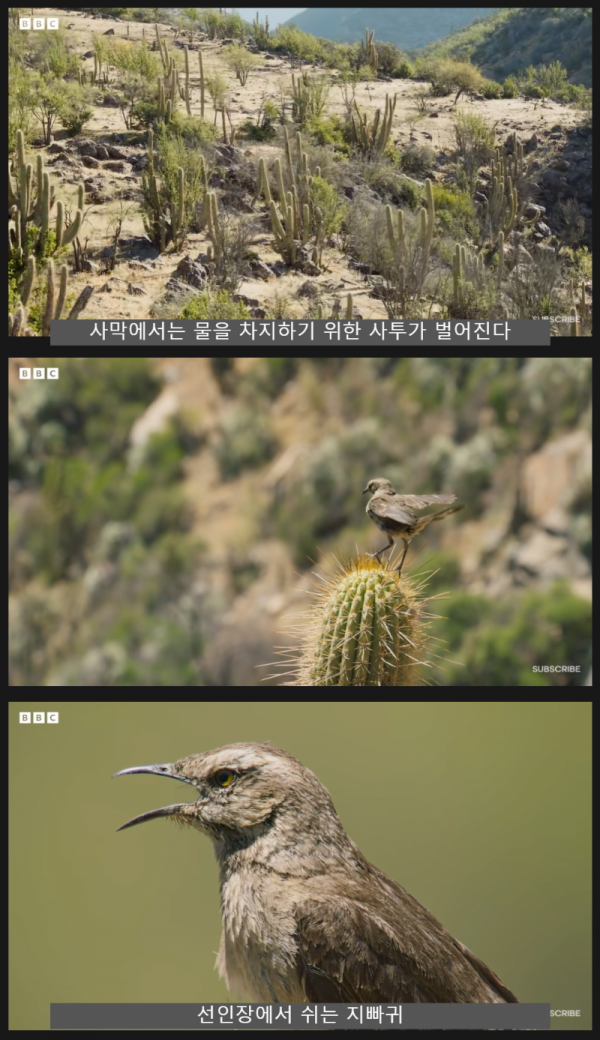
(306,918)
(393,513)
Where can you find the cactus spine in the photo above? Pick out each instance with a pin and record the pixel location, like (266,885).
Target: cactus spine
(366,629)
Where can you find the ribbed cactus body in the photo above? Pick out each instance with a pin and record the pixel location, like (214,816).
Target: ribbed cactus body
(366,630)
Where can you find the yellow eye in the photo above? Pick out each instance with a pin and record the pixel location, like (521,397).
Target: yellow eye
(224,777)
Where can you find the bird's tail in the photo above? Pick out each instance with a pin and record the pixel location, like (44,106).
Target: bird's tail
(430,517)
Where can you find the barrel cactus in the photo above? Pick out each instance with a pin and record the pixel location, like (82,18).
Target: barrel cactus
(367,628)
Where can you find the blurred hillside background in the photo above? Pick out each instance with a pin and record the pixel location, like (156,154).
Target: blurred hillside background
(164,512)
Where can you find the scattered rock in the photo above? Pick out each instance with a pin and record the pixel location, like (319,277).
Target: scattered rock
(114,285)
(88,54)
(543,229)
(532,210)
(259,269)
(109,32)
(247,300)
(562,165)
(111,101)
(136,290)
(102,152)
(87,148)
(309,268)
(90,267)
(308,289)
(531,144)
(90,162)
(114,153)
(359,267)
(116,167)
(191,272)
(434,115)
(56,147)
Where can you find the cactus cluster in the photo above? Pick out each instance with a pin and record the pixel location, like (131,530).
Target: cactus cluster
(502,207)
(55,299)
(30,200)
(372,138)
(466,268)
(157,201)
(368,50)
(260,33)
(298,219)
(366,629)
(396,234)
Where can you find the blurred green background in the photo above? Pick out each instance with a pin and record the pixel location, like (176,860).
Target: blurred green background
(482,811)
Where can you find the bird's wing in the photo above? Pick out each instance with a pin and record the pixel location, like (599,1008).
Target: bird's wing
(389,507)
(376,949)
(420,501)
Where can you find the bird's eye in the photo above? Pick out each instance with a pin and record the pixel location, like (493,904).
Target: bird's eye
(224,777)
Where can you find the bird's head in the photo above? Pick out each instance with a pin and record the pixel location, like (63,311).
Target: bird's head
(241,791)
(379,484)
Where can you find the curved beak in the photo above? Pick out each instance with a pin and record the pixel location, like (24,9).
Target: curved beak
(365,492)
(166,769)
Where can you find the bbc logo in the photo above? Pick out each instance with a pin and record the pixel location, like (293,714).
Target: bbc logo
(38,716)
(38,373)
(38,23)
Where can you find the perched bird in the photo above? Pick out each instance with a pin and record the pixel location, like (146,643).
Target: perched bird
(306,918)
(393,513)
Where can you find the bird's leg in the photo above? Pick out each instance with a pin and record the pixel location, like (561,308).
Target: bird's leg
(376,555)
(399,567)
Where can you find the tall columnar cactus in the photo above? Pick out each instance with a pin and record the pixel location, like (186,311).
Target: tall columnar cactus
(30,201)
(260,33)
(371,138)
(368,50)
(187,83)
(55,301)
(367,628)
(574,323)
(201,65)
(298,218)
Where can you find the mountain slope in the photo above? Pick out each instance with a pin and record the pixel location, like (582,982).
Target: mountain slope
(512,39)
(408,27)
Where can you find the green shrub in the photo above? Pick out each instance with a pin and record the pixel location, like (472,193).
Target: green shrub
(510,87)
(217,306)
(329,130)
(146,113)
(334,209)
(492,90)
(245,440)
(75,119)
(193,130)
(389,57)
(404,70)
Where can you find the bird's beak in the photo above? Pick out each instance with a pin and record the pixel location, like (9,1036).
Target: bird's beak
(365,492)
(159,770)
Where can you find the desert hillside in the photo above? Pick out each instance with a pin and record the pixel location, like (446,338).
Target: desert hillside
(192,173)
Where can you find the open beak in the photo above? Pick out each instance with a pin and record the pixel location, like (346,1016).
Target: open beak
(159,770)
